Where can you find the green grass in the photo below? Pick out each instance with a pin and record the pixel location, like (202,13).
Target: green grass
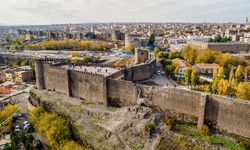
(191,130)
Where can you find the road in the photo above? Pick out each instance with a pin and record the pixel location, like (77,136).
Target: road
(22,101)
(161,80)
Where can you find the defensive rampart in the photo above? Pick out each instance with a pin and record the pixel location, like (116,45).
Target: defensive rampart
(222,113)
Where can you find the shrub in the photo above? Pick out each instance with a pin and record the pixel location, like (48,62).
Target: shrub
(169,121)
(204,130)
(150,127)
(72,145)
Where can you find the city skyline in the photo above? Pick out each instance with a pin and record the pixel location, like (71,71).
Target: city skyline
(29,12)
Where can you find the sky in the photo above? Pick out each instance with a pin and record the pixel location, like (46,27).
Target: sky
(33,12)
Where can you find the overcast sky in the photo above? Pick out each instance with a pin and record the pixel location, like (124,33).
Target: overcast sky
(81,11)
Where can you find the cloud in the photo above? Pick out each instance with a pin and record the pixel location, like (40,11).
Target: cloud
(80,11)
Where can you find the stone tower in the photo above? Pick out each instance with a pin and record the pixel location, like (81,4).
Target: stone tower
(128,40)
(141,56)
(39,75)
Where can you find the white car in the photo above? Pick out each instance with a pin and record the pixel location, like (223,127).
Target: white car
(17,128)
(17,115)
(26,123)
(26,127)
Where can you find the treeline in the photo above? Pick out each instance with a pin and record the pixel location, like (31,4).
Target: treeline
(65,44)
(233,86)
(69,44)
(55,128)
(194,56)
(219,39)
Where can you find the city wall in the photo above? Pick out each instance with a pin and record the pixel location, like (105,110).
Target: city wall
(141,71)
(222,113)
(221,47)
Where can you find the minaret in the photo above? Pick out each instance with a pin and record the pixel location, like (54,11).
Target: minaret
(247,21)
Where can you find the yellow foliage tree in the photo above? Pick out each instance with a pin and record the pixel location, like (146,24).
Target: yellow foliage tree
(74,54)
(72,145)
(223,87)
(8,111)
(243,91)
(239,74)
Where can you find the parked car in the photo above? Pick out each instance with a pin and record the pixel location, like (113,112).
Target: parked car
(17,115)
(17,128)
(159,72)
(26,127)
(26,123)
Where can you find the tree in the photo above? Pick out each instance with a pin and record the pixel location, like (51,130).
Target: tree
(223,87)
(206,56)
(74,54)
(221,73)
(131,48)
(215,75)
(173,55)
(187,75)
(151,40)
(225,60)
(243,91)
(156,51)
(176,71)
(215,85)
(72,145)
(169,69)
(7,112)
(54,127)
(24,63)
(239,74)
(247,71)
(194,77)
(189,53)
(87,59)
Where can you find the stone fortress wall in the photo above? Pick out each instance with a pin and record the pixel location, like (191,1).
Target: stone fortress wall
(222,113)
(222,47)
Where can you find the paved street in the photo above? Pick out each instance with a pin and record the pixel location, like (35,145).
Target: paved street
(160,79)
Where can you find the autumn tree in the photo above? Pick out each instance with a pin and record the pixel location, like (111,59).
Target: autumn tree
(206,56)
(187,76)
(72,145)
(221,73)
(7,112)
(131,48)
(243,91)
(194,77)
(239,74)
(189,53)
(225,60)
(215,82)
(74,54)
(223,87)
(54,127)
(156,51)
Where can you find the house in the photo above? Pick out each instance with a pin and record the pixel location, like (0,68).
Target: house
(20,74)
(205,68)
(182,65)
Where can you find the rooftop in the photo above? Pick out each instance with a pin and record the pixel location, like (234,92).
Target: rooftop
(106,71)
